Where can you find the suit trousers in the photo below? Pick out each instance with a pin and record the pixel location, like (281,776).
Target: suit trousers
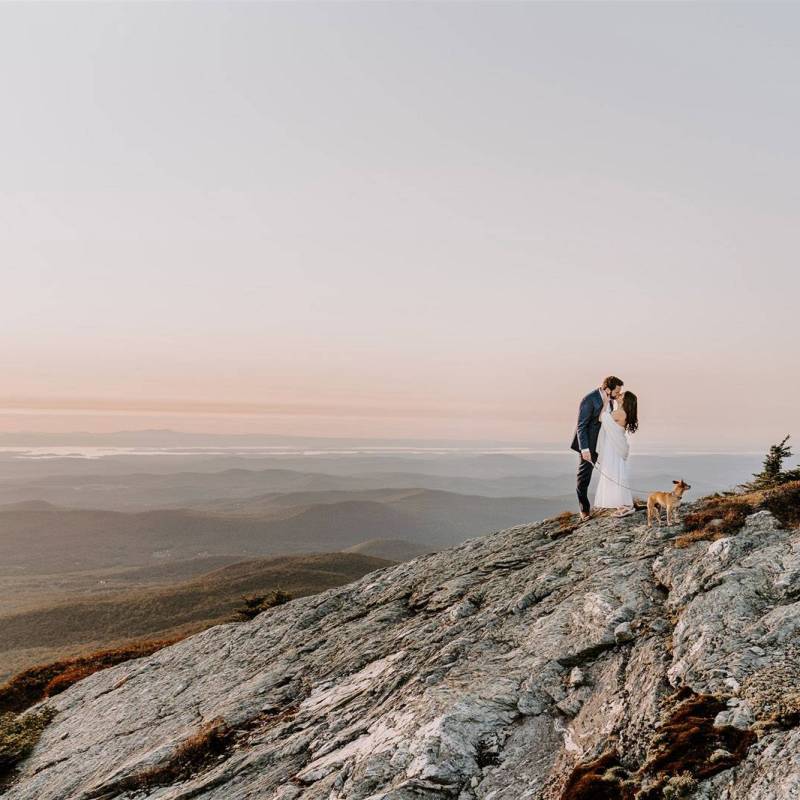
(585,470)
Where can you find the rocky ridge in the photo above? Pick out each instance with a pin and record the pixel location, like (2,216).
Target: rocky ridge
(543,662)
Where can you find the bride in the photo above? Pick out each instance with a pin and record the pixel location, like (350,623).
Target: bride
(613,448)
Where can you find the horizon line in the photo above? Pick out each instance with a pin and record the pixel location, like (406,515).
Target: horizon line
(349,442)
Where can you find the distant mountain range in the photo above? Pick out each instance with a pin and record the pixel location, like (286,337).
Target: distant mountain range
(144,490)
(39,537)
(74,578)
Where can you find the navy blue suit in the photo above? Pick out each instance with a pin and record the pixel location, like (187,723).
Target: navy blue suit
(585,438)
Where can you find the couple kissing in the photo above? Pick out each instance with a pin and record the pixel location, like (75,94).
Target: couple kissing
(607,415)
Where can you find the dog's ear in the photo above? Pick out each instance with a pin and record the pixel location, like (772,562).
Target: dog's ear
(676,481)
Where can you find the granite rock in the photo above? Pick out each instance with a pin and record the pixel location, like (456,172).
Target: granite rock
(484,672)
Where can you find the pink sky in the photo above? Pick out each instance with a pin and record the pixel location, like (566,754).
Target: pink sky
(399,220)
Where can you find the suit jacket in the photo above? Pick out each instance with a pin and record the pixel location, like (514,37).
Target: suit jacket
(588,427)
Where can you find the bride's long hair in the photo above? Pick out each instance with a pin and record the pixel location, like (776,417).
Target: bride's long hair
(630,405)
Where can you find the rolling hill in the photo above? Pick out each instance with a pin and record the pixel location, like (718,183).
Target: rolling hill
(68,628)
(139,491)
(53,539)
(38,537)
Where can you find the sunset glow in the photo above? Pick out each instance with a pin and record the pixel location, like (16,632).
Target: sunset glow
(400,220)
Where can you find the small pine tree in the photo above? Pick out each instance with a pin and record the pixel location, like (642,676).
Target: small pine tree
(773,473)
(255,604)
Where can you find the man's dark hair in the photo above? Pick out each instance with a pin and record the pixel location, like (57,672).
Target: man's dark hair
(612,382)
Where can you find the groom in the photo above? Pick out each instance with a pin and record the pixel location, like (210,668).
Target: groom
(586,433)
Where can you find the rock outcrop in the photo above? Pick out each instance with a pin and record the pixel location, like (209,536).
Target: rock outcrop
(543,662)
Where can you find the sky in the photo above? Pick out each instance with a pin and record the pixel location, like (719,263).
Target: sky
(400,219)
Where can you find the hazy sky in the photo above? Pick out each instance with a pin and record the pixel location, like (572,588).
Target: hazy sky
(400,219)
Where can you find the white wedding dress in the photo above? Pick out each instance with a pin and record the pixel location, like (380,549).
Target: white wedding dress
(612,462)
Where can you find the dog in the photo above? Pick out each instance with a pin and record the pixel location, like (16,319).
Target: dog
(668,500)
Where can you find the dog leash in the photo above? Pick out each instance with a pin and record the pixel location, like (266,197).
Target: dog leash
(629,488)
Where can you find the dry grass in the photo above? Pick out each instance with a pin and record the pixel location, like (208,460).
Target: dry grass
(686,749)
(567,523)
(566,519)
(784,503)
(194,754)
(37,683)
(685,743)
(18,736)
(725,514)
(65,679)
(601,779)
(205,747)
(722,515)
(190,757)
(688,737)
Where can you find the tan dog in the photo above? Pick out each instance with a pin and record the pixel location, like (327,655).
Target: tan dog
(669,500)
